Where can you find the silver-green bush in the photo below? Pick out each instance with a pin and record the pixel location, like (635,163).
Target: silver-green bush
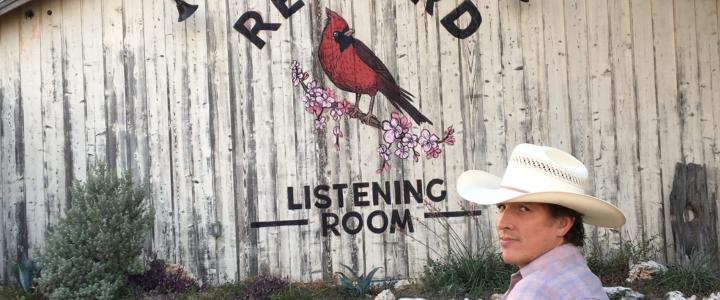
(99,242)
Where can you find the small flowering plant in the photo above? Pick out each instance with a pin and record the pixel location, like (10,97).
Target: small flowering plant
(398,138)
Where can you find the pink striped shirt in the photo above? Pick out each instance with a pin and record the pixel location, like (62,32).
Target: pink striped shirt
(561,273)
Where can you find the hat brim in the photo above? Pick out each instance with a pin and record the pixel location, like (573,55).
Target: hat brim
(484,188)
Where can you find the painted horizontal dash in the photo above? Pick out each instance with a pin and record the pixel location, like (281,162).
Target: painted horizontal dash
(452,214)
(278,223)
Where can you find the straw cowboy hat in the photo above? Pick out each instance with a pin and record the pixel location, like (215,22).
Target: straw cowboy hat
(543,175)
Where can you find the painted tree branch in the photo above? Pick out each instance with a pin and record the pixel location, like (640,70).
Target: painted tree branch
(322,103)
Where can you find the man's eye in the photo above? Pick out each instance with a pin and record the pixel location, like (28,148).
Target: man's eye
(501,207)
(524,209)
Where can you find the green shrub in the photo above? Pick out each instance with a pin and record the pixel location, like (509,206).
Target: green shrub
(294,293)
(462,271)
(99,242)
(612,266)
(694,277)
(479,274)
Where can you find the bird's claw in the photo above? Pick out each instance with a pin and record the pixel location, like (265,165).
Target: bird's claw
(354,112)
(366,119)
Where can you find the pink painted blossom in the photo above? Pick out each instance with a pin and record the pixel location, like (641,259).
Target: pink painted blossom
(402,121)
(320,123)
(337,132)
(392,130)
(336,113)
(298,75)
(344,106)
(427,140)
(449,140)
(403,151)
(384,152)
(433,152)
(410,140)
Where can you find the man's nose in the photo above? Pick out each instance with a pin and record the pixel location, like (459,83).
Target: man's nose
(503,220)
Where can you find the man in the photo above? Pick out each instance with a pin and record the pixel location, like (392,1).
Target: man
(541,206)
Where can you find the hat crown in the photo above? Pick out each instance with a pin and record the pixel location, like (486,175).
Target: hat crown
(533,168)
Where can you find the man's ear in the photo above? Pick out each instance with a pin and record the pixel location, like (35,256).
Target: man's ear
(564,224)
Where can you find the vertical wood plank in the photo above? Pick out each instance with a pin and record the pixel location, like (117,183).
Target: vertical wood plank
(716,115)
(344,164)
(535,90)
(408,54)
(706,13)
(301,31)
(493,104)
(515,108)
(603,111)
(429,31)
(473,130)
(385,46)
(556,70)
(12,206)
(159,144)
(221,116)
(53,113)
(668,112)
(73,92)
(114,54)
(30,85)
(261,136)
(94,87)
(628,194)
(201,146)
(576,28)
(283,126)
(686,44)
(136,92)
(366,19)
(53,110)
(181,128)
(647,112)
(451,97)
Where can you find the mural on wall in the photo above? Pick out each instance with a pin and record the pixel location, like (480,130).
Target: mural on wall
(354,68)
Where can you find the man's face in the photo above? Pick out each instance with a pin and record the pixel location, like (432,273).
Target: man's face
(527,230)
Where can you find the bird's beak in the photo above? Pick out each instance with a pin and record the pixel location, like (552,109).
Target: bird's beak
(349,32)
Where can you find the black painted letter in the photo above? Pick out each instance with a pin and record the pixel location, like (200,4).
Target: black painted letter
(346,218)
(251,34)
(398,223)
(466,7)
(285,10)
(429,193)
(291,200)
(429,5)
(327,225)
(384,223)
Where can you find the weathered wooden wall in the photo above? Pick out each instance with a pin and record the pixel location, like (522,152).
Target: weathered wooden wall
(215,127)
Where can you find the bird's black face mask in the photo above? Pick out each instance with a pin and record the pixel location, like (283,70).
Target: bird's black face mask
(343,39)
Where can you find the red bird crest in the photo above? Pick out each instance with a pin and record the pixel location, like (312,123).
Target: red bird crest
(354,68)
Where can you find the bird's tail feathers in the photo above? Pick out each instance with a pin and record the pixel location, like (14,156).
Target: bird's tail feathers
(402,100)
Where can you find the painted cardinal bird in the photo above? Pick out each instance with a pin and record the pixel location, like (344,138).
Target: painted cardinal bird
(353,67)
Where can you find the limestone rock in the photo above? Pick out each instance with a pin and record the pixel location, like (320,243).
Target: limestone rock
(623,292)
(644,270)
(385,295)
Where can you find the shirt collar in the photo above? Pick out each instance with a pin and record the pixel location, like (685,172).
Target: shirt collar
(559,253)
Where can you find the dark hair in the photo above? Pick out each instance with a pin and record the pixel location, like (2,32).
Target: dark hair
(576,234)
